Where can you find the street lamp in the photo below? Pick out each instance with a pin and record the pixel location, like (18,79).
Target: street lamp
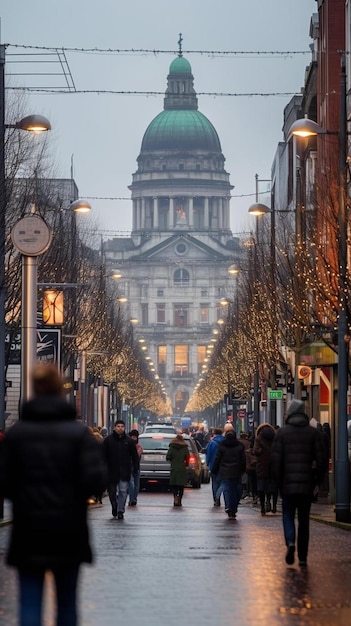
(307,128)
(257,210)
(32,123)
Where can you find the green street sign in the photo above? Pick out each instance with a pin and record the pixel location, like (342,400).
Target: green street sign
(275,394)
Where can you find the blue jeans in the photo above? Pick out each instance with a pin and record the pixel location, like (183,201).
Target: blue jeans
(301,504)
(118,495)
(134,486)
(232,490)
(216,486)
(31,595)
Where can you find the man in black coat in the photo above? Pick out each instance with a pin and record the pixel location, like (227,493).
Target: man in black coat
(298,464)
(229,465)
(121,458)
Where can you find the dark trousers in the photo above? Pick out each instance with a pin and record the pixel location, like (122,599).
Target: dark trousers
(301,504)
(232,491)
(31,595)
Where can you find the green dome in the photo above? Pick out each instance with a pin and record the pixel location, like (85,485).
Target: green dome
(180,130)
(180,66)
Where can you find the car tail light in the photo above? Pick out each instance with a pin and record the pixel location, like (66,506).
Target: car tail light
(192,459)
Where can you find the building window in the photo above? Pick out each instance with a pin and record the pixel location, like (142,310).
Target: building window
(181,315)
(201,355)
(181,360)
(161,360)
(160,313)
(144,314)
(204,314)
(181,277)
(143,291)
(181,167)
(160,293)
(204,292)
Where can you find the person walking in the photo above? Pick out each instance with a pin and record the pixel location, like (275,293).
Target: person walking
(298,465)
(267,488)
(122,459)
(251,463)
(211,451)
(178,455)
(134,484)
(50,464)
(230,464)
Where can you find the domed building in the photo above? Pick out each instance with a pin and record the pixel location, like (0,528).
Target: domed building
(175,265)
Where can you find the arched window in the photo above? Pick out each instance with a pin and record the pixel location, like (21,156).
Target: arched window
(181,277)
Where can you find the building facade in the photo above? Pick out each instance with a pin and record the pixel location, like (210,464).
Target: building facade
(175,264)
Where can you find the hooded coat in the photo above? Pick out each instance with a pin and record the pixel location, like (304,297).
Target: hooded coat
(262,450)
(178,455)
(230,461)
(50,464)
(298,456)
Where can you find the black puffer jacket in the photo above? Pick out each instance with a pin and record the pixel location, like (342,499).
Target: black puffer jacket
(298,458)
(49,465)
(230,461)
(121,456)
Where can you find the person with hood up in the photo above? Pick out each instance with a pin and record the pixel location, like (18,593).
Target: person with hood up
(298,465)
(178,455)
(50,464)
(266,486)
(230,464)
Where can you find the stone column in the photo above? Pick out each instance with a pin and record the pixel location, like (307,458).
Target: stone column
(191,212)
(143,216)
(171,213)
(155,213)
(206,213)
(220,213)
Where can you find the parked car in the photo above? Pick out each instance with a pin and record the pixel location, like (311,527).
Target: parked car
(205,470)
(155,469)
(159,428)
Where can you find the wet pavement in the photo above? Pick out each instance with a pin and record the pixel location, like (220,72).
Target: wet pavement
(164,565)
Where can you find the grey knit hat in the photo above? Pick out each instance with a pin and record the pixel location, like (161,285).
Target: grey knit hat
(296,407)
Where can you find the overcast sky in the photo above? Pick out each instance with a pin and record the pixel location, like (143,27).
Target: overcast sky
(104,132)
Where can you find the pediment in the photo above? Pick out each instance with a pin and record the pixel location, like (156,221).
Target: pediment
(182,246)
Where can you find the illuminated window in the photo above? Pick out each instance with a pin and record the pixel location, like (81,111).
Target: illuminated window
(181,360)
(201,355)
(204,314)
(161,360)
(53,307)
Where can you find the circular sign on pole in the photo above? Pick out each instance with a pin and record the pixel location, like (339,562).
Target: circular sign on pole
(31,235)
(241,414)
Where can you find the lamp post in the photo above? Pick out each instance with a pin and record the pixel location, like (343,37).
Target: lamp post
(257,210)
(32,237)
(30,123)
(307,128)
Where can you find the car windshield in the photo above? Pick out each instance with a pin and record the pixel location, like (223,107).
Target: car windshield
(155,443)
(159,429)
